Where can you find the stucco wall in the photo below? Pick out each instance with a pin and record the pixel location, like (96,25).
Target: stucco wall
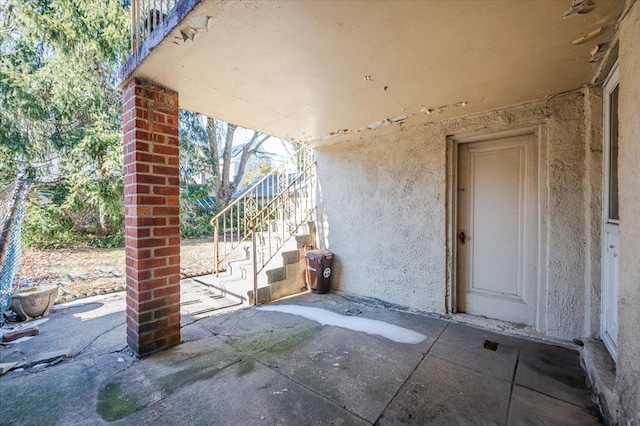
(628,368)
(383,210)
(593,210)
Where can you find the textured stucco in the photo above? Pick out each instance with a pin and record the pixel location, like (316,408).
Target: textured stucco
(383,203)
(565,219)
(593,209)
(628,368)
(384,213)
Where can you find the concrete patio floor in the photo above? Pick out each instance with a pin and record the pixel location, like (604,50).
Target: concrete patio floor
(259,367)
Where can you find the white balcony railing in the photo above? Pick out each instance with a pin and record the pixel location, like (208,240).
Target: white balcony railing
(146,16)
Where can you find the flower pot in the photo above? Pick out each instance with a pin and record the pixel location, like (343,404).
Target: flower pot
(34,302)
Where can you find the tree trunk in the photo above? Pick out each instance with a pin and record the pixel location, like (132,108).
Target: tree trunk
(214,154)
(224,193)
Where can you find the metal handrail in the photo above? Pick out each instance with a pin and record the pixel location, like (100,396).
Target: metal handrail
(238,222)
(291,215)
(146,16)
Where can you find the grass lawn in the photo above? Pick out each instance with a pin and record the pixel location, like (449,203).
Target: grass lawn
(88,270)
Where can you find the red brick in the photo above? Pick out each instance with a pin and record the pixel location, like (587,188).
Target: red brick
(145,338)
(142,295)
(133,210)
(157,344)
(144,221)
(166,170)
(151,285)
(138,232)
(151,200)
(166,211)
(152,242)
(151,179)
(168,290)
(152,305)
(166,312)
(138,275)
(171,119)
(163,129)
(140,318)
(166,251)
(154,325)
(150,263)
(166,150)
(167,271)
(136,188)
(170,330)
(166,231)
(150,120)
(174,319)
(166,190)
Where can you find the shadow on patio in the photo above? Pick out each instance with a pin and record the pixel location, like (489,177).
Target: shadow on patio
(252,366)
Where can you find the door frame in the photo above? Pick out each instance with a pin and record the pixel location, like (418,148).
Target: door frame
(539,321)
(612,80)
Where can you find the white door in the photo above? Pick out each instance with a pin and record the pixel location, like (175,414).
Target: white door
(496,229)
(610,226)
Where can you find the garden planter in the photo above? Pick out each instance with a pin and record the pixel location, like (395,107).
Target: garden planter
(34,302)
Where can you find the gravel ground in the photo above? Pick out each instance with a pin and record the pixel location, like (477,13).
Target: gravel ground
(84,271)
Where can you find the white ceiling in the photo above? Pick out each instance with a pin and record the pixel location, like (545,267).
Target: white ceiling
(308,69)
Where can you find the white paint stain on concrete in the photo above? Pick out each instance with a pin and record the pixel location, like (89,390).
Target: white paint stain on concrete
(366,325)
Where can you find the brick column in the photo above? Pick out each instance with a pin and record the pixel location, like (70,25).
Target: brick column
(152,216)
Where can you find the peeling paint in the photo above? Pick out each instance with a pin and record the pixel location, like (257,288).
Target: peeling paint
(426,110)
(579,7)
(398,118)
(597,53)
(200,22)
(461,104)
(378,124)
(585,38)
(187,34)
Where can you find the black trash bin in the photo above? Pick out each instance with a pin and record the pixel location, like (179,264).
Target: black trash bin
(319,270)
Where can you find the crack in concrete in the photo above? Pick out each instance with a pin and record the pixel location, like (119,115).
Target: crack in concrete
(424,355)
(79,353)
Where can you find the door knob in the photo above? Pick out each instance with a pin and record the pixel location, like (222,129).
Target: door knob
(461,237)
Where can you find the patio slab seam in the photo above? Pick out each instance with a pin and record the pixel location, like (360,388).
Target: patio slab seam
(297,382)
(469,368)
(513,385)
(550,396)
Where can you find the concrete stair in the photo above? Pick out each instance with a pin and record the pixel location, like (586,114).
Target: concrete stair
(288,278)
(284,275)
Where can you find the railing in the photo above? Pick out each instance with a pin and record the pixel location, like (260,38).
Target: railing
(146,15)
(268,213)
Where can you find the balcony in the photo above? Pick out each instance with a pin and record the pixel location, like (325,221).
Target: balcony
(146,16)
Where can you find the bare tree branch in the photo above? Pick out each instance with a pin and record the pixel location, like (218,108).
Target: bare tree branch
(248,150)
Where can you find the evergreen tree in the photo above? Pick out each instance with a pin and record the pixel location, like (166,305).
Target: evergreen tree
(60,114)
